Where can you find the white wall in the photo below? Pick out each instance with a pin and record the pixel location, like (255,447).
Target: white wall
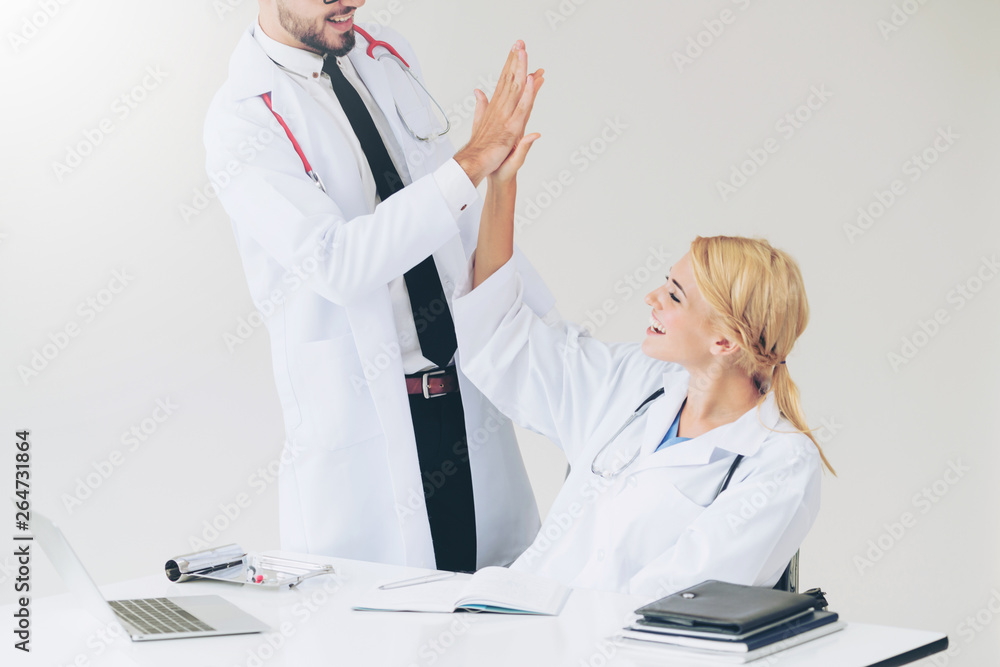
(891,431)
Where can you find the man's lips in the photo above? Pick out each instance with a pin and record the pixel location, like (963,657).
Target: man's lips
(341,20)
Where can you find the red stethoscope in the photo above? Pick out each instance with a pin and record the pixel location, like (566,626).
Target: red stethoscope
(392,55)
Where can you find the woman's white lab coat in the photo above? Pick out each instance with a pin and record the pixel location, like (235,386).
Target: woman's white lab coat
(654,529)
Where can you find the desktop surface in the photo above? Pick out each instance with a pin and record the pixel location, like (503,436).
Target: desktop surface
(314,624)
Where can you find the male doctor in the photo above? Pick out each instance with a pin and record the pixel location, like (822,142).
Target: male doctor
(392,455)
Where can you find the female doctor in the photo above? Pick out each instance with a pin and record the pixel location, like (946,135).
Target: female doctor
(641,512)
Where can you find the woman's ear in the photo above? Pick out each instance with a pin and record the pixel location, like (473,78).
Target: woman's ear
(722,346)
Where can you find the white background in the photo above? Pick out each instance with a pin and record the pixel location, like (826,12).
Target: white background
(891,430)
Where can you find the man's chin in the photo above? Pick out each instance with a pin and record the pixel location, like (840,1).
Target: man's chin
(340,45)
(343,45)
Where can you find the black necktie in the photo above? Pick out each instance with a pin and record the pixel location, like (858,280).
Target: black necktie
(435,328)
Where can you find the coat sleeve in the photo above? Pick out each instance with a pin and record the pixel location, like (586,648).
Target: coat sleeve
(549,377)
(751,531)
(271,198)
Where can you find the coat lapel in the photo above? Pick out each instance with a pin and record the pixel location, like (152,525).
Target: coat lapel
(743,436)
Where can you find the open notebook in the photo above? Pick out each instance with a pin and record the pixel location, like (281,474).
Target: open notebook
(491,589)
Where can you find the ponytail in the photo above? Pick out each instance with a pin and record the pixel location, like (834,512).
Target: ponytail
(786,395)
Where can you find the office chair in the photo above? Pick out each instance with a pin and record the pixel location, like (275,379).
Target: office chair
(789,580)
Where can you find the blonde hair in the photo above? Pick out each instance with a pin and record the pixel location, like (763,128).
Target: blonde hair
(758,299)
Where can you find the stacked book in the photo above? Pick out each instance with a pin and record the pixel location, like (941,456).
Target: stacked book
(729,623)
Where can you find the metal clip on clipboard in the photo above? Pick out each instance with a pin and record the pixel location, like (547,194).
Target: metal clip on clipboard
(231,563)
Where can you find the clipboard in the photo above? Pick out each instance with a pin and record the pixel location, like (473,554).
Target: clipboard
(232,564)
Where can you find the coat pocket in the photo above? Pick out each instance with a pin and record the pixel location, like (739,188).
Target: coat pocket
(332,394)
(651,514)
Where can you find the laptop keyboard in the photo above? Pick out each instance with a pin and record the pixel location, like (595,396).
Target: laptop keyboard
(154,616)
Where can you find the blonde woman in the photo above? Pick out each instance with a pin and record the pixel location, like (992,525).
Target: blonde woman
(643,510)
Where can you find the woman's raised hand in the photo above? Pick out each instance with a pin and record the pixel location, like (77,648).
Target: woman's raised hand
(512,163)
(498,124)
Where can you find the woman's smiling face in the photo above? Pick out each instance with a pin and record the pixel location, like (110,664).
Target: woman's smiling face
(680,326)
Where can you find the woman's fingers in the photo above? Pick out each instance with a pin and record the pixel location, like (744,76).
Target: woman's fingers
(527,100)
(513,163)
(523,147)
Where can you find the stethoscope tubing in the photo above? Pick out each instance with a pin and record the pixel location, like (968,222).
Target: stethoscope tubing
(639,411)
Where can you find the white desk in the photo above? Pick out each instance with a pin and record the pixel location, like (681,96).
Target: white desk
(314,625)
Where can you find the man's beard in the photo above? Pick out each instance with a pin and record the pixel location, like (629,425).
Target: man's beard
(312,37)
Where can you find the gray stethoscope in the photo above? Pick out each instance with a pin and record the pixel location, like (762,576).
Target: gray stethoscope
(392,55)
(606,473)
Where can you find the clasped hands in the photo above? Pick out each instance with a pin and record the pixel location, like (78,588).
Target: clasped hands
(498,145)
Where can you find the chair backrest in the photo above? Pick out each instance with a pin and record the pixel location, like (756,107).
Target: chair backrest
(789,580)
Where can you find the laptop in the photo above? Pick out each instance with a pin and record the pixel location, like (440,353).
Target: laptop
(148,618)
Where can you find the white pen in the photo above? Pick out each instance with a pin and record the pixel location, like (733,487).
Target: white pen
(426,579)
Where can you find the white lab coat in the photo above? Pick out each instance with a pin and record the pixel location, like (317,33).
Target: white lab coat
(654,529)
(351,485)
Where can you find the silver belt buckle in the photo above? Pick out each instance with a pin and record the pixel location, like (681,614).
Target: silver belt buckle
(423,383)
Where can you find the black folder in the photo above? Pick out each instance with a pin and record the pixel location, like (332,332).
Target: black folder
(727,608)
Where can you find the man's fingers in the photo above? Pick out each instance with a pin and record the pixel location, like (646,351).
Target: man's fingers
(481,105)
(512,80)
(507,74)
